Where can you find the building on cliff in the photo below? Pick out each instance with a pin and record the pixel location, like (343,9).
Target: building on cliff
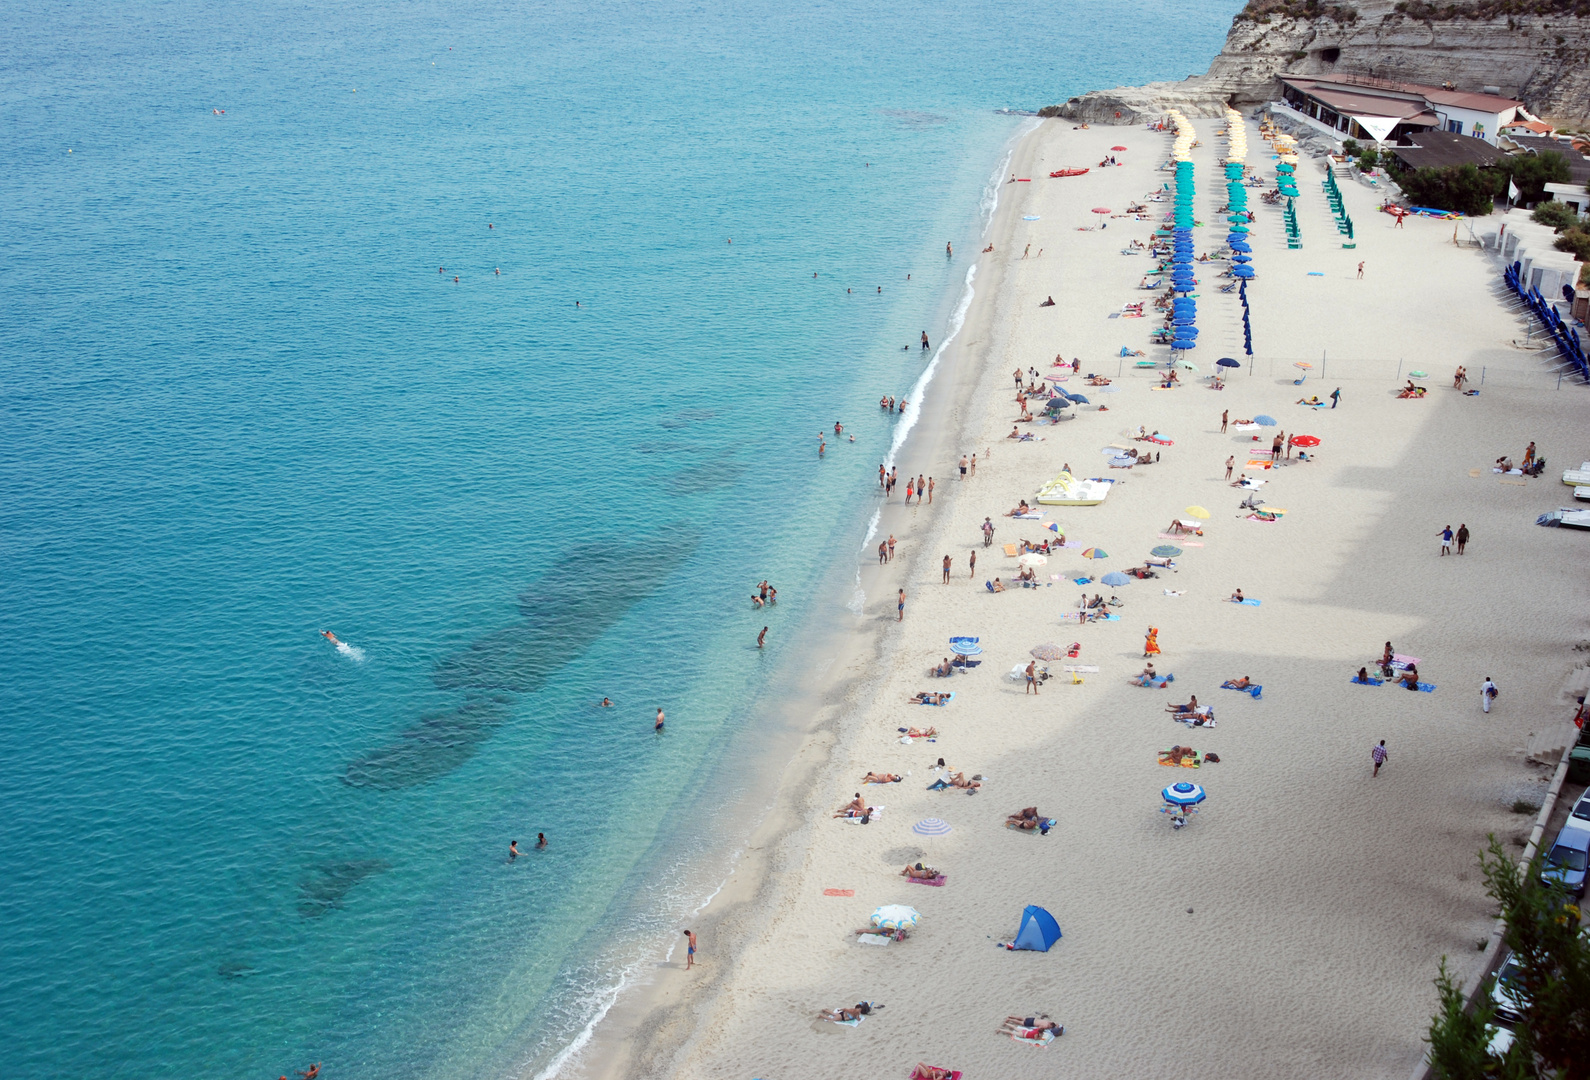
(1364,107)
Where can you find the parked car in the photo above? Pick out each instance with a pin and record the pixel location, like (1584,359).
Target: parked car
(1579,816)
(1503,994)
(1566,861)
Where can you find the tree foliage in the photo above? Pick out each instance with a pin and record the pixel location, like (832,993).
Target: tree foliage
(1461,188)
(1530,173)
(1552,986)
(1577,241)
(1558,215)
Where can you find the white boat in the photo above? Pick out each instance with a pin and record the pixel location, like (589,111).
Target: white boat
(1582,493)
(1579,477)
(1068,490)
(1566,517)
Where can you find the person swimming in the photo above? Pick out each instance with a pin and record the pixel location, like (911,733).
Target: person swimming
(605,703)
(329,636)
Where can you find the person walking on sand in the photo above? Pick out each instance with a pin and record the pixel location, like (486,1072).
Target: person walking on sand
(910,490)
(762,637)
(1151,642)
(947,563)
(921,486)
(891,547)
(963,466)
(658,726)
(1360,271)
(930,493)
(972,563)
(1032,678)
(883,475)
(1378,756)
(1462,538)
(1488,694)
(1336,397)
(988,532)
(690,949)
(899,608)
(1230,463)
(1446,541)
(1225,415)
(974,464)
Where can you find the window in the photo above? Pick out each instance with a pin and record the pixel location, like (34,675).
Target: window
(1455,126)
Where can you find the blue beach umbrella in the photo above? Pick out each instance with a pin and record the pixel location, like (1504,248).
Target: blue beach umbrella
(1240,258)
(1226,361)
(1183,344)
(1078,398)
(1242,246)
(1115,577)
(1264,421)
(965,646)
(1186,333)
(1183,794)
(1242,272)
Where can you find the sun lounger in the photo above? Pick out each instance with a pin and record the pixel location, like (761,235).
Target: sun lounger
(1010,549)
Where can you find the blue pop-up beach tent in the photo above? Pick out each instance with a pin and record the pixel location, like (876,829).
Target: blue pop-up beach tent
(1038,930)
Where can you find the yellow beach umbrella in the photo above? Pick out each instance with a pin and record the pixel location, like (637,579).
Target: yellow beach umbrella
(1197,512)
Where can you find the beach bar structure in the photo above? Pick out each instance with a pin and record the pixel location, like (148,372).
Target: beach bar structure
(1367,108)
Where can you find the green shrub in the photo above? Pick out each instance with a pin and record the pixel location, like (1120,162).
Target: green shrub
(1576,240)
(1368,159)
(1530,173)
(1460,188)
(1558,215)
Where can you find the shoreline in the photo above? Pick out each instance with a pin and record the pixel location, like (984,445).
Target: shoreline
(643,1023)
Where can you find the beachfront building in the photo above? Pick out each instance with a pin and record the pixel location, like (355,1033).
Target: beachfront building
(1380,110)
(1442,149)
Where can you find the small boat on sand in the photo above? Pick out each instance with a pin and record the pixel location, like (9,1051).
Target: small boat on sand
(1068,490)
(1067,172)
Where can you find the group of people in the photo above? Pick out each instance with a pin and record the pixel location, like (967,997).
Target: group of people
(765,594)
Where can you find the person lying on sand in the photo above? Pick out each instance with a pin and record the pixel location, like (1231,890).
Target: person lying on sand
(1176,755)
(1027,819)
(920,872)
(880,778)
(987,249)
(1098,380)
(925,697)
(1240,481)
(1310,401)
(924,1071)
(922,733)
(1049,302)
(855,806)
(1237,684)
(1164,564)
(1191,706)
(855,1012)
(1021,1026)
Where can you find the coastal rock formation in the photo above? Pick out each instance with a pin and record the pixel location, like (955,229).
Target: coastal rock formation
(1535,50)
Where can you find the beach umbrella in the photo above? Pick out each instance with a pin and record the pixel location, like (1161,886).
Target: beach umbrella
(1166,551)
(1031,559)
(1242,246)
(1117,149)
(1046,652)
(931,827)
(1095,553)
(1186,330)
(1304,366)
(1078,398)
(1184,344)
(1418,374)
(1197,512)
(895,917)
(1243,272)
(965,646)
(1187,365)
(1182,794)
(1240,258)
(1237,219)
(1123,460)
(1226,361)
(1115,577)
(1264,421)
(1305,440)
(1101,209)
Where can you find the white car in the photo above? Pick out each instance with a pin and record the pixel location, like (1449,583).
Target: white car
(1508,1006)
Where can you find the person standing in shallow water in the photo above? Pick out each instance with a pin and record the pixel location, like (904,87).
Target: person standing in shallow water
(659,725)
(690,949)
(762,637)
(924,339)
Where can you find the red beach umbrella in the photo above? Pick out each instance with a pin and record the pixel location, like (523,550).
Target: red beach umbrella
(1101,209)
(1117,148)
(1305,440)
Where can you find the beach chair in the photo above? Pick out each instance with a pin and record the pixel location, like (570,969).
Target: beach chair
(1010,549)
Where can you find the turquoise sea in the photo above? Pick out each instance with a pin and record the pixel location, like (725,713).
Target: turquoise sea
(243,399)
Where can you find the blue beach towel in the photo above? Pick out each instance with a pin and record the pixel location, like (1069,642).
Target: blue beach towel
(1082,581)
(1250,602)
(1253,690)
(1372,681)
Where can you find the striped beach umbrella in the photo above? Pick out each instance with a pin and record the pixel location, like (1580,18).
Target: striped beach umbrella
(1183,794)
(1166,551)
(931,827)
(895,917)
(1095,553)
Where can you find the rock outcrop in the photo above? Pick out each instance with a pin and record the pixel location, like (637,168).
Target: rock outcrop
(1537,51)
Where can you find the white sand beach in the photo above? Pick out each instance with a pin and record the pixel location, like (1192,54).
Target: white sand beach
(1294,926)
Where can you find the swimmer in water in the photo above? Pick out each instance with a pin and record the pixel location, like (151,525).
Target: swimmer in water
(541,839)
(513,849)
(606,703)
(329,636)
(498,271)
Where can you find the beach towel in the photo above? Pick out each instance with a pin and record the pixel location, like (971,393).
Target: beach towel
(1031,515)
(1313,404)
(1082,581)
(1042,829)
(1183,542)
(839,892)
(1372,681)
(866,939)
(1010,549)
(1428,688)
(873,813)
(1086,669)
(1250,602)
(1032,1036)
(1175,592)
(934,881)
(1159,440)
(1403,663)
(1252,689)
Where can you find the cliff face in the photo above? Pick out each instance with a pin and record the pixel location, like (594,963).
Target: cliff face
(1539,54)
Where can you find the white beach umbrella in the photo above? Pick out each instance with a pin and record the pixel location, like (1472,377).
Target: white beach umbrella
(895,917)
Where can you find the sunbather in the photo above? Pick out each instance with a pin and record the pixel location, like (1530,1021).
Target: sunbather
(1191,706)
(1178,755)
(945,669)
(1027,818)
(920,872)
(926,697)
(1237,684)
(1146,676)
(1362,677)
(881,778)
(1023,508)
(922,733)
(854,806)
(855,1012)
(1165,564)
(1310,401)
(1410,677)
(999,586)
(1038,1024)
(924,1071)
(1236,597)
(958,779)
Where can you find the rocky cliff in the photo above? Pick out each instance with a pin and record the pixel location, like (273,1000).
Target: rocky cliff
(1537,51)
